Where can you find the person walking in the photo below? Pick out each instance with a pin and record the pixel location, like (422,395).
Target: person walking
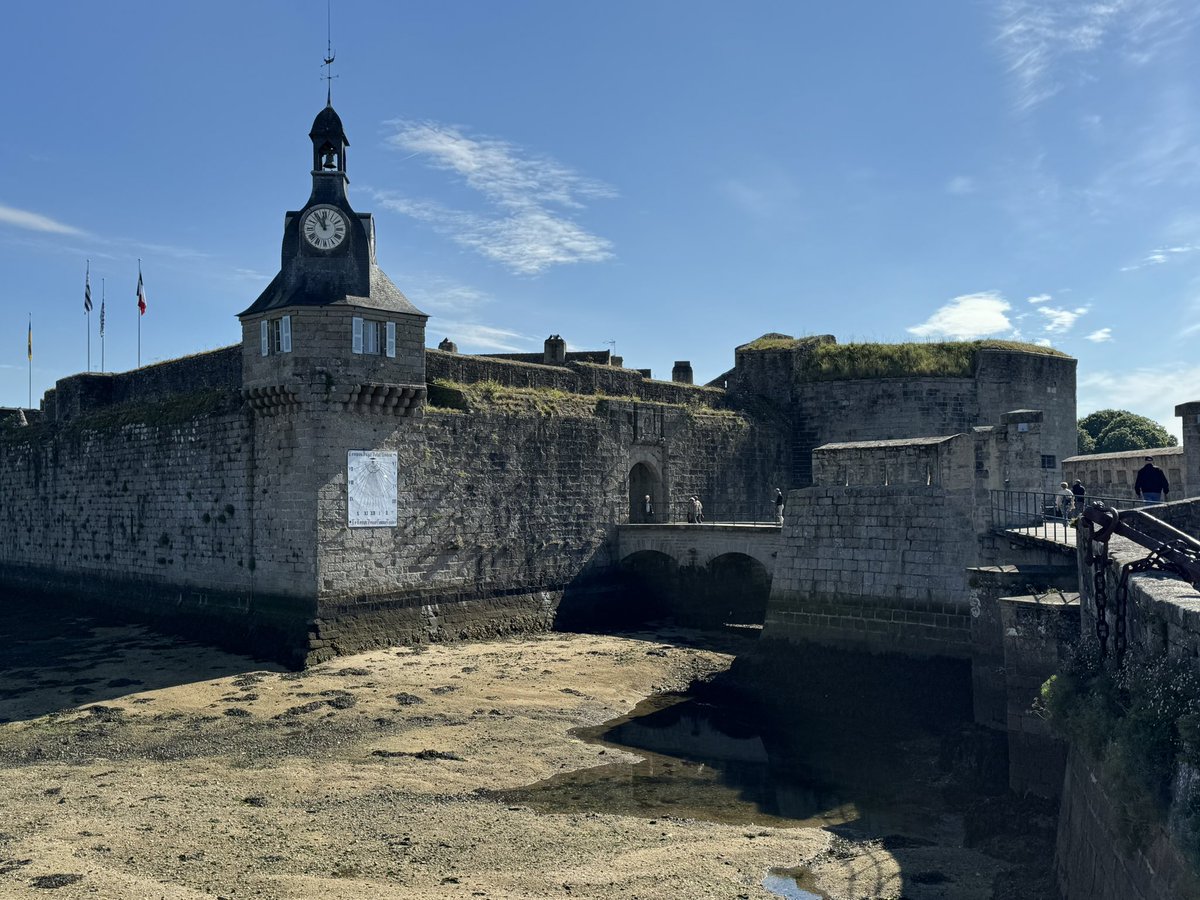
(699,512)
(778,506)
(1151,485)
(1066,500)
(691,510)
(648,509)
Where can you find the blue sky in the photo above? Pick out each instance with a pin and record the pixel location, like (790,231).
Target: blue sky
(677,177)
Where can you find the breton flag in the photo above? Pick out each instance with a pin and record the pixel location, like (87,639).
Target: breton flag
(102,317)
(29,342)
(141,295)
(87,290)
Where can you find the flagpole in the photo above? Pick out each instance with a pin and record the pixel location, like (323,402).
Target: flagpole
(101,326)
(87,311)
(29,353)
(139,314)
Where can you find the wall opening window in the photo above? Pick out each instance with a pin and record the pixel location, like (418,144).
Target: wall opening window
(275,335)
(373,337)
(1049,462)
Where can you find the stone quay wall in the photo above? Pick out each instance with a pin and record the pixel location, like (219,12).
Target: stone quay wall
(1092,862)
(879,568)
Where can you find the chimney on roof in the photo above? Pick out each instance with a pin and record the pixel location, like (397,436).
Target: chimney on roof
(556,351)
(682,371)
(448,345)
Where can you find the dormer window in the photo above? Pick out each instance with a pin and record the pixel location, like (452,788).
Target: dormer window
(275,335)
(373,337)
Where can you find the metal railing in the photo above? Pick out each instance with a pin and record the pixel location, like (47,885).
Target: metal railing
(716,512)
(1046,514)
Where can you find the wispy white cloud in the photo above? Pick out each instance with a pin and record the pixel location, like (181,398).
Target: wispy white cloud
(1060,321)
(440,295)
(1152,392)
(472,336)
(1044,342)
(967,316)
(31,221)
(522,225)
(961,185)
(1039,298)
(1161,255)
(1050,44)
(1100,336)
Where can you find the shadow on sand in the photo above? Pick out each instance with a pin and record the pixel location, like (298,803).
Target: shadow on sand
(56,658)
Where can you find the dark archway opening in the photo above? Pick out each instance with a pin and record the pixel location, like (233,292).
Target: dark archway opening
(650,584)
(731,590)
(644,483)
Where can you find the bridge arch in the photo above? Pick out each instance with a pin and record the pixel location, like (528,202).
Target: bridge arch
(651,580)
(736,589)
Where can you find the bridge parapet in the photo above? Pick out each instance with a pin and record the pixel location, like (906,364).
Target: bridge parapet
(699,545)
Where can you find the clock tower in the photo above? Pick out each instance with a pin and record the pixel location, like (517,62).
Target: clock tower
(331,317)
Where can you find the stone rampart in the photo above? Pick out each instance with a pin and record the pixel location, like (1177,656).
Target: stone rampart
(171,511)
(81,394)
(573,377)
(511,515)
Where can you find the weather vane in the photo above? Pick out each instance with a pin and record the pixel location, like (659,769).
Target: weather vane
(329,56)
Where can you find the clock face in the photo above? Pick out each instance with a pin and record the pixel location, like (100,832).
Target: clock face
(324,227)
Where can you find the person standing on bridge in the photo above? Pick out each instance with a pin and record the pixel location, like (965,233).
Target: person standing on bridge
(699,511)
(1066,500)
(1151,485)
(648,508)
(1079,491)
(778,506)
(691,510)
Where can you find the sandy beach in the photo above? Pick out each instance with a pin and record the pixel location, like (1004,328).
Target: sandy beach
(133,765)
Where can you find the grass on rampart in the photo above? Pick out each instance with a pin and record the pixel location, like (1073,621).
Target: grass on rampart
(491,396)
(1135,724)
(176,410)
(843,362)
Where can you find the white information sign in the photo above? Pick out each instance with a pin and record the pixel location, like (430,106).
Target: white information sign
(371,487)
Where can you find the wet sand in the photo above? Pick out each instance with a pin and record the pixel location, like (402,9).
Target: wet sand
(136,766)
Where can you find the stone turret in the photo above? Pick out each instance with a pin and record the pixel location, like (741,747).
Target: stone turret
(681,373)
(556,351)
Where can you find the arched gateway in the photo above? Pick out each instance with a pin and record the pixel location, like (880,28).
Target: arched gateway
(644,482)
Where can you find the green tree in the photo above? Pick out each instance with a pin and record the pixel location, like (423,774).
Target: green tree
(1087,443)
(1116,430)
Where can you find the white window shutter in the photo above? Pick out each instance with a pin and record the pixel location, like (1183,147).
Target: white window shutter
(285,334)
(263,328)
(391,338)
(357,343)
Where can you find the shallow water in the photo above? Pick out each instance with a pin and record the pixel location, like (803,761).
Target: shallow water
(701,760)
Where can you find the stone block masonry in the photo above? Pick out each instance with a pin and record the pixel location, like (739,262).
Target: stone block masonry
(169,513)
(201,511)
(878,568)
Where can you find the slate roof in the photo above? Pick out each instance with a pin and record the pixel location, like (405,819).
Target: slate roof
(384,296)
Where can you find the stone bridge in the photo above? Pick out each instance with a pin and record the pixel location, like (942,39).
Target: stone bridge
(701,575)
(700,545)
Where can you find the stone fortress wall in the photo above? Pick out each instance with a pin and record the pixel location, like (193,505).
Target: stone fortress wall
(844,408)
(182,502)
